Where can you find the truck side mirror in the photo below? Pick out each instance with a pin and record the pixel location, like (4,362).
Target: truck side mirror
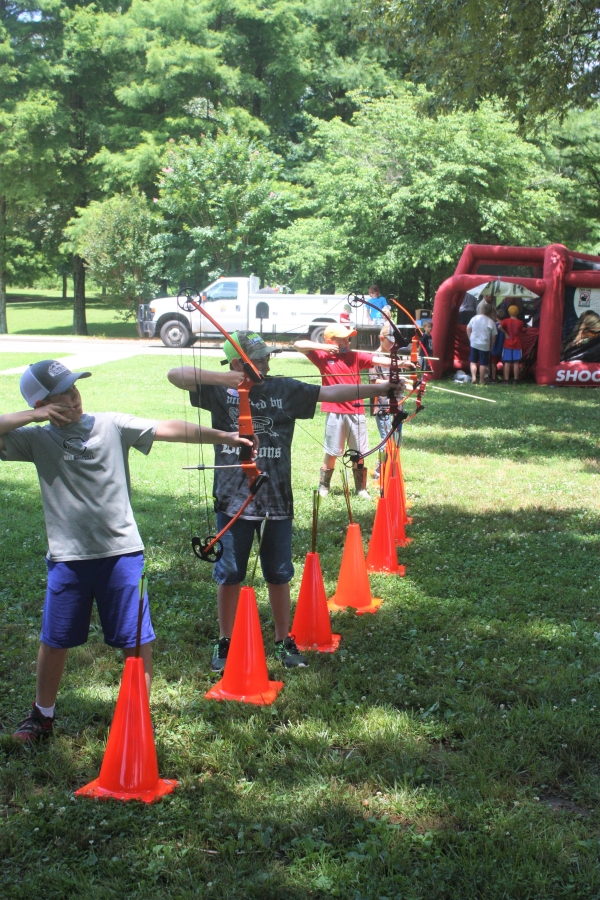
(262,310)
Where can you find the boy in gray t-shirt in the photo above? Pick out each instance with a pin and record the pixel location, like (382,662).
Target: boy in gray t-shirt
(94,547)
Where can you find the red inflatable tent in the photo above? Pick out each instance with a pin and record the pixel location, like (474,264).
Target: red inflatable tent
(566,345)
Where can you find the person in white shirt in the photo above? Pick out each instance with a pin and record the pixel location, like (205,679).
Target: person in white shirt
(481,331)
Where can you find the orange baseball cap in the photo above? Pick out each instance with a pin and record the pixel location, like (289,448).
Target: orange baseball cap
(338,331)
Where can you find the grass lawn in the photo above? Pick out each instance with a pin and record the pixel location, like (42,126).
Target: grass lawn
(449,749)
(12,360)
(47,313)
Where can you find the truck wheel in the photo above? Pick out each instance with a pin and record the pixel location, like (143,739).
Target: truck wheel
(318,334)
(175,333)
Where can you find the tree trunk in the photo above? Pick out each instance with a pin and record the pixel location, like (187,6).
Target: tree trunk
(79,322)
(64,286)
(426,288)
(3,322)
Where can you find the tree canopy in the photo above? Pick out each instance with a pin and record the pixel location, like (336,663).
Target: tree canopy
(319,142)
(540,56)
(394,195)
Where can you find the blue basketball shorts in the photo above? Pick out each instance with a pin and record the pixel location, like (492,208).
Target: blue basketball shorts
(511,355)
(113,582)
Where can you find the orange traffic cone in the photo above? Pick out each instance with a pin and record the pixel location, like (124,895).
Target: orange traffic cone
(311,628)
(396,512)
(353,587)
(381,556)
(392,454)
(245,677)
(129,769)
(405,503)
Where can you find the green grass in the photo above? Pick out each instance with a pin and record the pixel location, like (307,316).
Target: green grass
(48,314)
(12,360)
(448,750)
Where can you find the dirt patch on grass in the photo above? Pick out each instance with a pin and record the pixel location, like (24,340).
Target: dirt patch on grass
(564,805)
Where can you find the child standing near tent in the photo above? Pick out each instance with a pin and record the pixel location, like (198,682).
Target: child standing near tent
(481,331)
(513,349)
(426,346)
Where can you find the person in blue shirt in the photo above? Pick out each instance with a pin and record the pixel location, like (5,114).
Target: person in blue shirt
(377,300)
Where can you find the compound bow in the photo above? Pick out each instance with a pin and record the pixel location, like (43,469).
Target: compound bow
(210,548)
(355,457)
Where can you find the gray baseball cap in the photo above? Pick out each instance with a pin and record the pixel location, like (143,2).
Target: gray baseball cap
(45,378)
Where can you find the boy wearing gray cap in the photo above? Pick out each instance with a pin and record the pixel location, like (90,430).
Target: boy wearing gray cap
(94,547)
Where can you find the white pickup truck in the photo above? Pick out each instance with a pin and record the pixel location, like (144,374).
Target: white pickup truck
(238,303)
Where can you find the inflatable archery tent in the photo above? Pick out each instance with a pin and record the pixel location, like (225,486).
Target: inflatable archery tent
(557,292)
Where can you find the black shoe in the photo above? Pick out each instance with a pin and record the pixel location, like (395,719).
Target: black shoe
(36,727)
(287,653)
(220,654)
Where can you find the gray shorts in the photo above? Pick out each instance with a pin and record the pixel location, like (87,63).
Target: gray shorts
(345,428)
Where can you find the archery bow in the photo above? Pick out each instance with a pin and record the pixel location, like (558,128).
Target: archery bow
(211,549)
(355,457)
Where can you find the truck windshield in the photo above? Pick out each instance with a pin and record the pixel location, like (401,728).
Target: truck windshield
(224,290)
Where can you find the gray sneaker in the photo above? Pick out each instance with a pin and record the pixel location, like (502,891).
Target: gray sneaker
(220,654)
(287,653)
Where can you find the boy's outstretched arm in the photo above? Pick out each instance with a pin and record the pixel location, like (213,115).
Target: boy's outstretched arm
(342,393)
(179,431)
(306,346)
(189,377)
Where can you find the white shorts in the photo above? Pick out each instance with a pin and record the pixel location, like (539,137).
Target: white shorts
(345,428)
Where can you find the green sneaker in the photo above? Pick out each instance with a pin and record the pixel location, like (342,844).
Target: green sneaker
(287,653)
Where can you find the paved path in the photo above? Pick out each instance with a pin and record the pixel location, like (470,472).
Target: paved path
(86,352)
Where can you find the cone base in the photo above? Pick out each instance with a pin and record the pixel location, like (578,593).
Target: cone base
(263,699)
(408,520)
(361,610)
(401,571)
(404,543)
(163,786)
(330,647)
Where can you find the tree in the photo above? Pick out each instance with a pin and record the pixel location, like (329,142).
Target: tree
(573,149)
(540,56)
(27,154)
(221,202)
(117,239)
(394,196)
(182,69)
(56,48)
